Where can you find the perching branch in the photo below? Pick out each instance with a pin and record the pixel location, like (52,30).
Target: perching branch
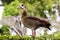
(13,22)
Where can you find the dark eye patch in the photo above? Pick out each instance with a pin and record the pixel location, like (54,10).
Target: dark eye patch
(22,5)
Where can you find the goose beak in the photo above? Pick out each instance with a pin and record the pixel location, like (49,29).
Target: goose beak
(21,6)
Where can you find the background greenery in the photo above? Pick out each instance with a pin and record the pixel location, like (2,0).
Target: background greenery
(34,8)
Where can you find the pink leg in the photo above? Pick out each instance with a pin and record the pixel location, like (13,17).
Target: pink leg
(33,32)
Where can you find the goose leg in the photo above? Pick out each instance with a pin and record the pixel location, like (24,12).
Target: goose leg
(33,32)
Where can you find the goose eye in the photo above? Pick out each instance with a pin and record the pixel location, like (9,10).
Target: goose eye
(22,5)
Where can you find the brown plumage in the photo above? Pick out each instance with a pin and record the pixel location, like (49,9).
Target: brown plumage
(33,22)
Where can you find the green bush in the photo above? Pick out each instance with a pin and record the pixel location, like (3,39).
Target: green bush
(54,36)
(34,7)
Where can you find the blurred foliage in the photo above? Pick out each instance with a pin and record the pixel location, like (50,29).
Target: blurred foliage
(1,31)
(34,7)
(5,30)
(11,9)
(6,1)
(54,36)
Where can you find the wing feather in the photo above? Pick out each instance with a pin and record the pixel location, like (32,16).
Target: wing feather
(38,20)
